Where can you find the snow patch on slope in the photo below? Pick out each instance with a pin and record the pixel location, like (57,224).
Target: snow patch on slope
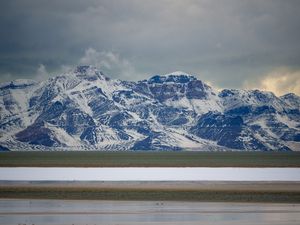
(177,73)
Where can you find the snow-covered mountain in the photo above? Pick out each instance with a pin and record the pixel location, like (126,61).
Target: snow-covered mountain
(86,110)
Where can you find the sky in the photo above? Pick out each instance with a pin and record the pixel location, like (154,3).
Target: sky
(250,44)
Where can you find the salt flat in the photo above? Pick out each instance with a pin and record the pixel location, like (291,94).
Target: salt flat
(148,174)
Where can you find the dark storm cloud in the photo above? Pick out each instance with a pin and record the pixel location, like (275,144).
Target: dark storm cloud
(225,42)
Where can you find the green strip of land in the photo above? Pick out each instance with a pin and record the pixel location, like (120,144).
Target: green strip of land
(153,195)
(149,159)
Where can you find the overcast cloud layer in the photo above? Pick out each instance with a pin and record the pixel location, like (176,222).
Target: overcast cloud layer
(231,44)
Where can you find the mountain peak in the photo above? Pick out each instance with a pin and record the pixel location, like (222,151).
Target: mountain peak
(87,70)
(178,73)
(174,77)
(289,95)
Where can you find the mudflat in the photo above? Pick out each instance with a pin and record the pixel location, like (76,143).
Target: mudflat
(162,185)
(157,191)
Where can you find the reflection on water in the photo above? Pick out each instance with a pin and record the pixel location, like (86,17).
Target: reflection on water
(58,212)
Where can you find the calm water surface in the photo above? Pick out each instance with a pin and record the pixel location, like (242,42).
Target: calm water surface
(59,212)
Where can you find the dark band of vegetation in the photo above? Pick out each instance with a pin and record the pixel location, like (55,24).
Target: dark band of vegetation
(150,159)
(153,195)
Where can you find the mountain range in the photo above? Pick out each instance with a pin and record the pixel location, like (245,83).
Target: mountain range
(86,110)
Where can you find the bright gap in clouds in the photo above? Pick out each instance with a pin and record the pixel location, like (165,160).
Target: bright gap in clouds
(280,81)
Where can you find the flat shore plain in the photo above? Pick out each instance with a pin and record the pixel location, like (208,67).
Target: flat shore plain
(279,192)
(149,159)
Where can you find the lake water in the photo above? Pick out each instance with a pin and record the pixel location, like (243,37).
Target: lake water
(149,174)
(62,212)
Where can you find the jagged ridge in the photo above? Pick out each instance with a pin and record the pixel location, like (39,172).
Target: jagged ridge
(84,109)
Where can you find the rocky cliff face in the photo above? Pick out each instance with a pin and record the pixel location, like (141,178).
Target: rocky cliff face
(85,110)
